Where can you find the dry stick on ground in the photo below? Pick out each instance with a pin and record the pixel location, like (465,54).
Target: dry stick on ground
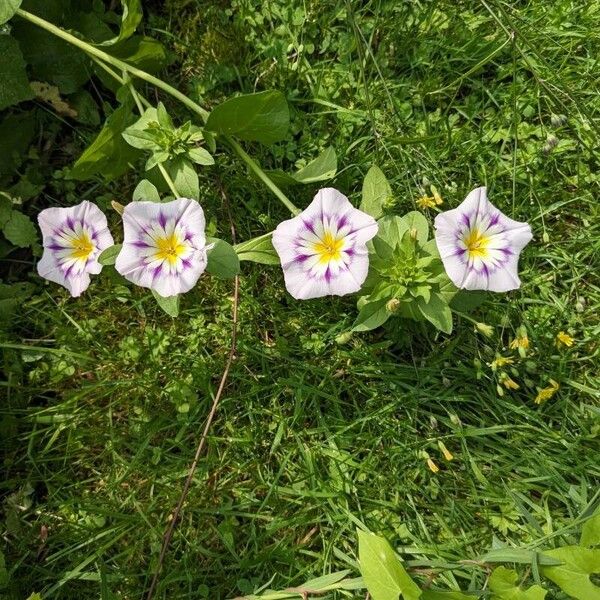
(230,358)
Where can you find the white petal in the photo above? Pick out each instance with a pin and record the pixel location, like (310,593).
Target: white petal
(48,269)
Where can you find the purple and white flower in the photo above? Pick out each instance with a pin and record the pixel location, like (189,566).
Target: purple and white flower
(480,246)
(323,250)
(164,246)
(73,238)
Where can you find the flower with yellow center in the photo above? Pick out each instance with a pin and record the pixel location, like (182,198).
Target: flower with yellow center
(164,247)
(323,250)
(73,239)
(479,245)
(564,339)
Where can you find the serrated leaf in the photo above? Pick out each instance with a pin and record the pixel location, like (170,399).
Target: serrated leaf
(437,312)
(201,156)
(590,532)
(573,576)
(185,178)
(504,585)
(382,571)
(262,117)
(108,155)
(259,250)
(7,9)
(170,304)
(14,85)
(20,230)
(371,315)
(319,169)
(375,192)
(109,255)
(222,259)
(145,190)
(130,19)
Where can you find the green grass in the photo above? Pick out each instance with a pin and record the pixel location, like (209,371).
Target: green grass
(105,405)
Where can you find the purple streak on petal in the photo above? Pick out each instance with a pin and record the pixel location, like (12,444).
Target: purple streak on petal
(70,223)
(350,251)
(309,224)
(342,221)
(465,219)
(189,236)
(186,263)
(162,219)
(156,272)
(494,219)
(300,258)
(328,275)
(140,244)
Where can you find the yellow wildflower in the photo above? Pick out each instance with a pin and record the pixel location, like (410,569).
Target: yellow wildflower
(436,195)
(509,384)
(484,329)
(520,342)
(545,394)
(447,454)
(426,202)
(564,339)
(501,361)
(434,468)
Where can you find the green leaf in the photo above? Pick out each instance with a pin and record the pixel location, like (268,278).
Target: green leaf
(382,570)
(170,305)
(35,596)
(16,134)
(142,52)
(590,532)
(86,108)
(371,316)
(20,230)
(517,555)
(446,595)
(322,583)
(262,117)
(185,178)
(132,15)
(109,255)
(467,300)
(136,135)
(200,156)
(108,155)
(321,168)
(437,312)
(416,221)
(391,231)
(145,190)
(14,85)
(222,259)
(7,9)
(5,210)
(504,586)
(573,577)
(375,192)
(258,250)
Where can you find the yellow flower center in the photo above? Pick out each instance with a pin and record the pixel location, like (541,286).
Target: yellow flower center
(476,243)
(169,248)
(82,246)
(328,248)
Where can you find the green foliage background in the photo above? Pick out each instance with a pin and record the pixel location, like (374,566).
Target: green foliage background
(103,398)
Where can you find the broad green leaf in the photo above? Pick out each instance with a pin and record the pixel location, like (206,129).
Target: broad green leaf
(5,210)
(590,532)
(185,178)
(322,583)
(371,316)
(258,250)
(132,15)
(170,305)
(109,256)
(416,221)
(222,259)
(108,155)
(375,192)
(16,134)
(384,575)
(467,300)
(573,577)
(446,595)
(391,230)
(262,117)
(145,190)
(437,312)
(86,108)
(142,52)
(136,135)
(35,596)
(504,586)
(516,555)
(321,168)
(7,9)
(201,156)
(20,230)
(14,85)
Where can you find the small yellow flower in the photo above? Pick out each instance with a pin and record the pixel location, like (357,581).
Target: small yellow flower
(545,394)
(447,454)
(509,384)
(434,468)
(484,329)
(520,342)
(564,339)
(500,361)
(426,202)
(436,195)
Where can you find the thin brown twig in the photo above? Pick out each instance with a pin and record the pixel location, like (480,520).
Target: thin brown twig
(211,415)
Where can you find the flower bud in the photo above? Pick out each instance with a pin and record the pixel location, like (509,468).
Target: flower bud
(343,338)
(484,329)
(393,305)
(552,140)
(118,207)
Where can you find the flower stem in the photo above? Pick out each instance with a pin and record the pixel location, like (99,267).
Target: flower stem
(159,83)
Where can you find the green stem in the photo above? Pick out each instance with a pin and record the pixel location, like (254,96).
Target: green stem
(261,174)
(92,50)
(159,83)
